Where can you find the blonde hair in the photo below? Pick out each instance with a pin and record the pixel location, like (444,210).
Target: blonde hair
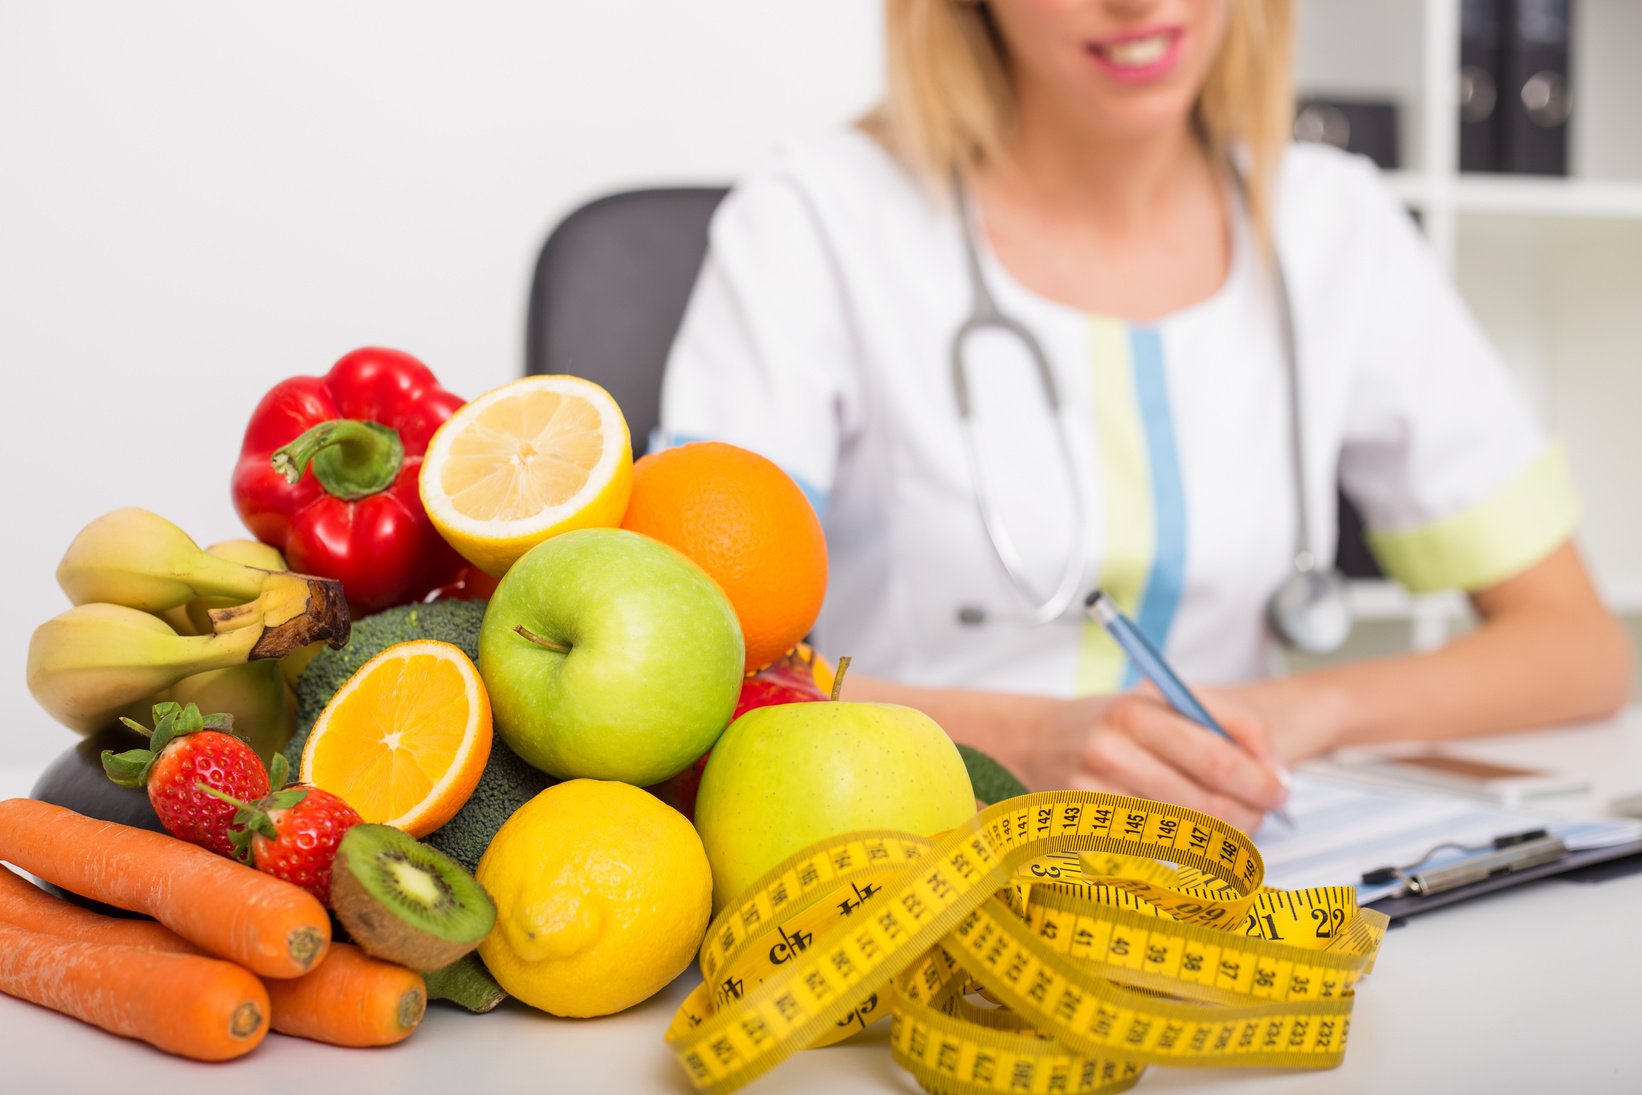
(949,103)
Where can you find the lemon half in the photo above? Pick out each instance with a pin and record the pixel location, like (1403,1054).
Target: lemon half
(523,463)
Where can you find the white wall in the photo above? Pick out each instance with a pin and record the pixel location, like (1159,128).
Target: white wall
(200,199)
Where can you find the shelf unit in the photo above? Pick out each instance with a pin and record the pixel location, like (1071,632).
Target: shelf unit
(1551,266)
(1523,196)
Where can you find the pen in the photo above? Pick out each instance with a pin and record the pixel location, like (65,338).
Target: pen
(1152,666)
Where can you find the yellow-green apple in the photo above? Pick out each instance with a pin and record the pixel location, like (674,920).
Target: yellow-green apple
(786,776)
(796,677)
(609,655)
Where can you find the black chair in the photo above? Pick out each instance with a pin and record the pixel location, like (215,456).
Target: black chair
(610,289)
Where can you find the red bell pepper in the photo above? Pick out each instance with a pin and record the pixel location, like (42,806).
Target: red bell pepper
(328,475)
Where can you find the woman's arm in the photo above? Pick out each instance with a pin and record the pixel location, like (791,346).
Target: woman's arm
(1546,652)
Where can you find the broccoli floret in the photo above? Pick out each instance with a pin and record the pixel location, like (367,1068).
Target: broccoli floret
(454,622)
(507,783)
(991,780)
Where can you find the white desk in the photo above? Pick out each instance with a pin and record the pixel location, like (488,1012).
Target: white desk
(1475,998)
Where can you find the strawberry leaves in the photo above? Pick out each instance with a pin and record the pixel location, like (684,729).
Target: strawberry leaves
(171,721)
(279,773)
(130,768)
(252,819)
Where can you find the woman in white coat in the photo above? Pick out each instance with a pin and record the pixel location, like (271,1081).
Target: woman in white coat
(1114,176)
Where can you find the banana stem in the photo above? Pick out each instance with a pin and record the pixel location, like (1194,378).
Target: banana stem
(210,576)
(200,653)
(292,611)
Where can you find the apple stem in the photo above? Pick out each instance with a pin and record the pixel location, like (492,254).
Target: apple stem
(838,677)
(557,648)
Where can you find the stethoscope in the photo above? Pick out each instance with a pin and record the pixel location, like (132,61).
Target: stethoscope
(1309,610)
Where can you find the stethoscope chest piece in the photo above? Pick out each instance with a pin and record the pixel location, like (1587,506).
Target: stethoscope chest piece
(1311,610)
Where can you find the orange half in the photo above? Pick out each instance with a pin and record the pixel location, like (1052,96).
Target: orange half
(405,740)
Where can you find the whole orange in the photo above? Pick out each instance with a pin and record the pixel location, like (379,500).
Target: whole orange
(746,523)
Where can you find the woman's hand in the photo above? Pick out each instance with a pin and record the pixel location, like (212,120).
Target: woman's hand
(1135,744)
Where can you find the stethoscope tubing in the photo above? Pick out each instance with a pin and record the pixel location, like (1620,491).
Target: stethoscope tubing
(1308,571)
(985,315)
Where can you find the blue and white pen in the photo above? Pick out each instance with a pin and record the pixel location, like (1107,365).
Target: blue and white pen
(1152,666)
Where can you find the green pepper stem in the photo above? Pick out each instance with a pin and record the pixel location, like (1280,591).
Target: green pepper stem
(351,458)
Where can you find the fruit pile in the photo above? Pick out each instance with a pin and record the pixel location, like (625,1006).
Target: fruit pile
(509,667)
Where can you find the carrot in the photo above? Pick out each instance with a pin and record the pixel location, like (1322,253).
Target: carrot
(227,909)
(26,905)
(182,1003)
(349,999)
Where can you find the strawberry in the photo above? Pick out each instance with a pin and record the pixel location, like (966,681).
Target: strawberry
(185,750)
(293,834)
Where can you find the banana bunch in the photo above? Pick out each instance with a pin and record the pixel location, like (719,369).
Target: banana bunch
(155,618)
(260,694)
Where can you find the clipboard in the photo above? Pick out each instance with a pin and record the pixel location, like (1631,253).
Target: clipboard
(1346,829)
(1617,859)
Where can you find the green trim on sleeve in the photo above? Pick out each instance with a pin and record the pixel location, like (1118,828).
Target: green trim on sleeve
(1498,538)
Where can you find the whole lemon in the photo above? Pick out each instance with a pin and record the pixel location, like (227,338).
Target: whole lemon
(602,893)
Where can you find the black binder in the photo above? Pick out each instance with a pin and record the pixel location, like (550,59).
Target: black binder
(1482,24)
(1535,93)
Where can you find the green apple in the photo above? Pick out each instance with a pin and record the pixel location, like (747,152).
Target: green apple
(786,776)
(609,655)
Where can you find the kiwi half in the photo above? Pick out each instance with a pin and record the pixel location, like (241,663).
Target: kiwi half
(405,902)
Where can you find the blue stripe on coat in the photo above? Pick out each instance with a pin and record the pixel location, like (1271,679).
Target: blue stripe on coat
(1166,580)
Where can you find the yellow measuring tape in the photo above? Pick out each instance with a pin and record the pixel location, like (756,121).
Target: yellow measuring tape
(1114,932)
